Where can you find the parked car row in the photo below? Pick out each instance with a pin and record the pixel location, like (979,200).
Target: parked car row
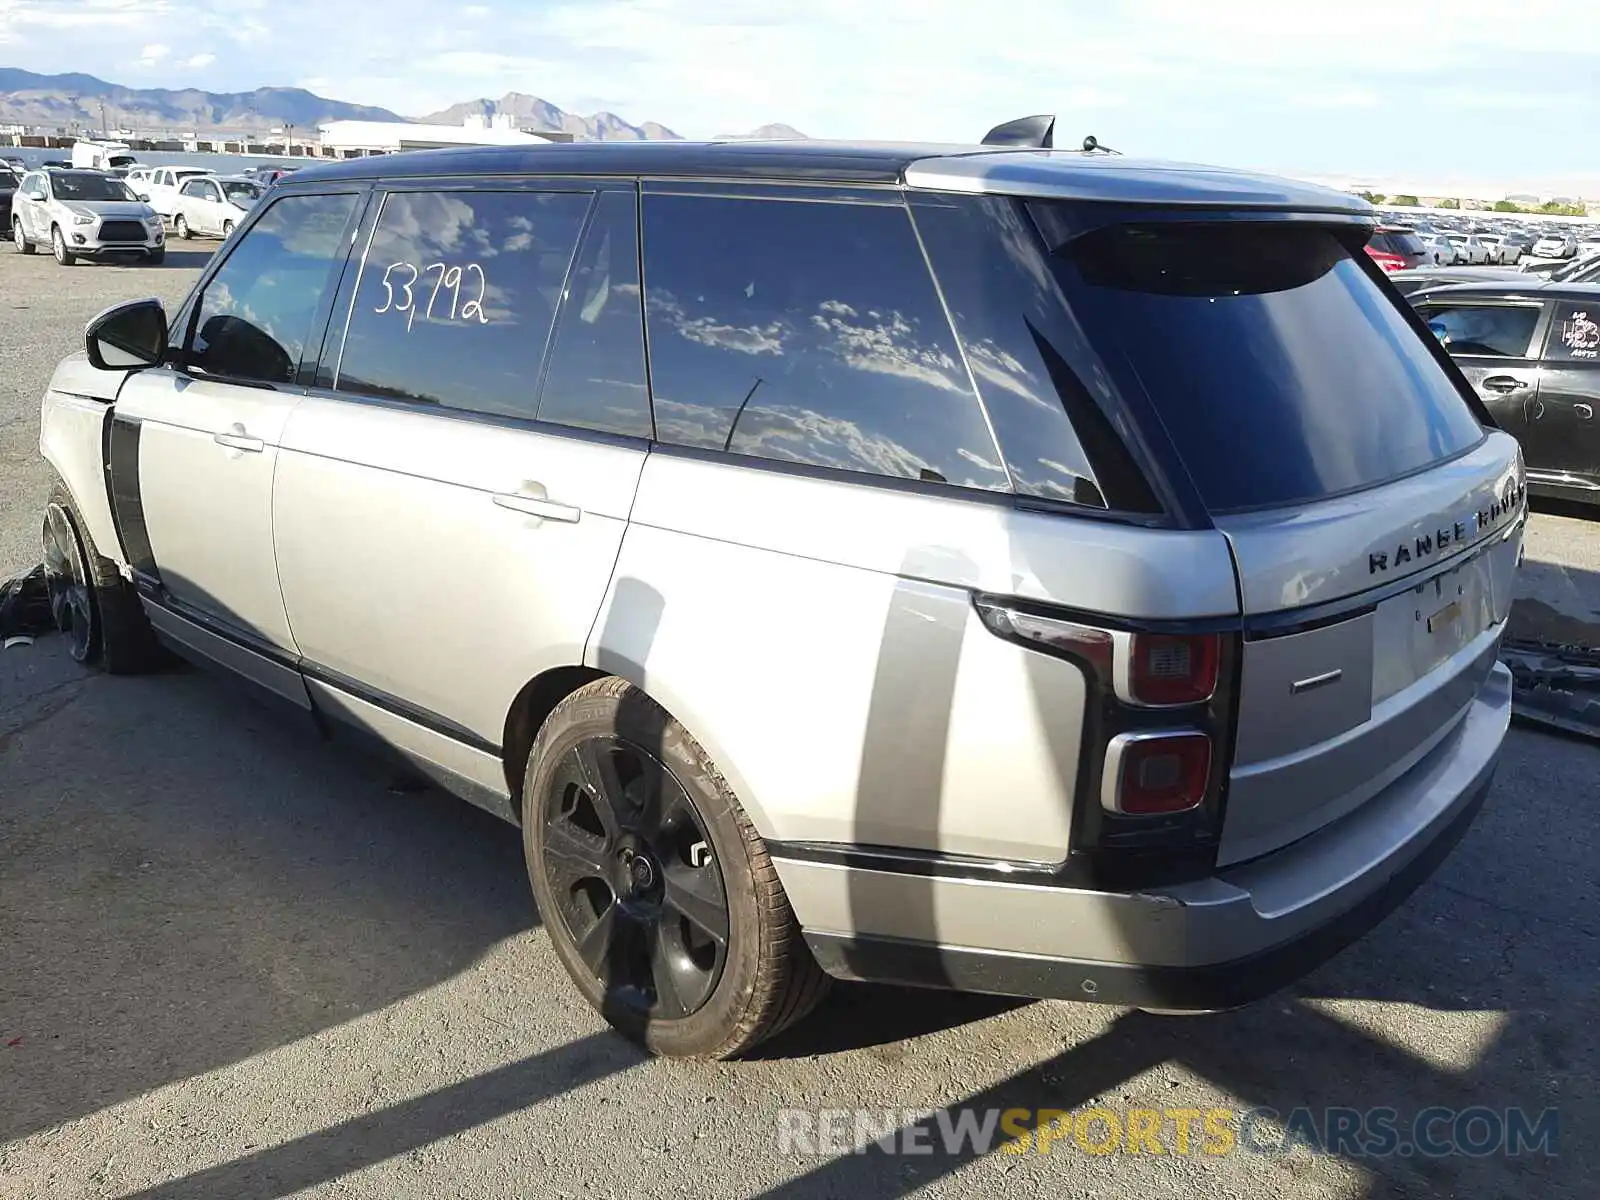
(89,213)
(1494,239)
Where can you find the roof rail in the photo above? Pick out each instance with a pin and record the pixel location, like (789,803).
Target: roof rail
(1037,132)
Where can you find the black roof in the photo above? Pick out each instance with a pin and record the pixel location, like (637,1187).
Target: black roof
(834,162)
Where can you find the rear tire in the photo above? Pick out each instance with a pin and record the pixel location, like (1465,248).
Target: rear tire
(639,854)
(93,605)
(58,244)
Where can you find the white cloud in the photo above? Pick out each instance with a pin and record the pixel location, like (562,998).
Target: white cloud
(196,61)
(153,54)
(1335,98)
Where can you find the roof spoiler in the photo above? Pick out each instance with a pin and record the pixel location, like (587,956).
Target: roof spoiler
(1036,132)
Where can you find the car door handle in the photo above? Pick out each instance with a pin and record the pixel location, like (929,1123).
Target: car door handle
(1504,383)
(538,506)
(237,439)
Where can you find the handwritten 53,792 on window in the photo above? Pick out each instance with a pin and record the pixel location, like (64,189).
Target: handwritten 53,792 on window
(400,281)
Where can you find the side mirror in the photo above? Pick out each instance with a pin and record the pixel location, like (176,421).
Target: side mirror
(127,336)
(38,195)
(145,196)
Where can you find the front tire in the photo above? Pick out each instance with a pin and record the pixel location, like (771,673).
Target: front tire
(58,244)
(227,230)
(659,895)
(19,239)
(181,227)
(92,604)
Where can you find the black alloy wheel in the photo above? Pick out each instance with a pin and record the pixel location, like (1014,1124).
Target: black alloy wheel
(639,890)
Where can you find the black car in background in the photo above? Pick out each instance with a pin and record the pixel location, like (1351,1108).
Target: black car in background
(8,188)
(1583,270)
(1532,352)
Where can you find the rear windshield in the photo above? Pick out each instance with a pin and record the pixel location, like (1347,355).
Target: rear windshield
(1280,369)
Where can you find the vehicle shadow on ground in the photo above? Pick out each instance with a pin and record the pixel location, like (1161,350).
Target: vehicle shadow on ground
(191,879)
(180,256)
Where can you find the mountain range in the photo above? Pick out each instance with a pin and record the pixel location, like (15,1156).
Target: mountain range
(78,101)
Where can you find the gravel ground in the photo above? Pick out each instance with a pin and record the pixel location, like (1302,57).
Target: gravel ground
(238,962)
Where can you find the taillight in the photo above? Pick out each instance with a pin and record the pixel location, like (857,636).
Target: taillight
(1155,742)
(1155,773)
(1166,669)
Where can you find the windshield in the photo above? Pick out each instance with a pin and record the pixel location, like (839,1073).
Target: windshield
(89,187)
(241,192)
(1277,366)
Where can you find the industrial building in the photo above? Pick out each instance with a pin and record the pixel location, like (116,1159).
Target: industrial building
(350,139)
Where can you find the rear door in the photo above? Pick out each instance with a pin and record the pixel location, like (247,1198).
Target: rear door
(1563,436)
(452,497)
(1496,345)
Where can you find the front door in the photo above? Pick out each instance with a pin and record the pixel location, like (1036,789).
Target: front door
(195,444)
(1563,433)
(1494,344)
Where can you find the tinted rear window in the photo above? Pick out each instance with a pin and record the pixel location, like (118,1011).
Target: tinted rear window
(809,333)
(1279,368)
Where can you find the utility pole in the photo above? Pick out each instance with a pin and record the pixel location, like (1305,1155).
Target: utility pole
(104,131)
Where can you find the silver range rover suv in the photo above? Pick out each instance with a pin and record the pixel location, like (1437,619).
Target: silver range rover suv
(1002,569)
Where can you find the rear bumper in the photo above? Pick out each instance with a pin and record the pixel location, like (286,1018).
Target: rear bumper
(1242,934)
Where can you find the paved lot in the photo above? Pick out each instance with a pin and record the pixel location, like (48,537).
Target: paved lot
(234,962)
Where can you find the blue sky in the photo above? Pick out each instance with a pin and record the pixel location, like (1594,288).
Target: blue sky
(1497,91)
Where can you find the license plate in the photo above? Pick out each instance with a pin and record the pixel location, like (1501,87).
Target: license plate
(1418,630)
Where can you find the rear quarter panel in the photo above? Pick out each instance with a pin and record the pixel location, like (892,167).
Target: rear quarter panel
(819,639)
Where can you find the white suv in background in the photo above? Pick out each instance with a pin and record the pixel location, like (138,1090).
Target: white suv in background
(83,214)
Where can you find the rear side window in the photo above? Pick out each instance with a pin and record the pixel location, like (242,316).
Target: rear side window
(1482,330)
(1279,368)
(1575,334)
(257,311)
(596,377)
(457,295)
(809,333)
(1029,358)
